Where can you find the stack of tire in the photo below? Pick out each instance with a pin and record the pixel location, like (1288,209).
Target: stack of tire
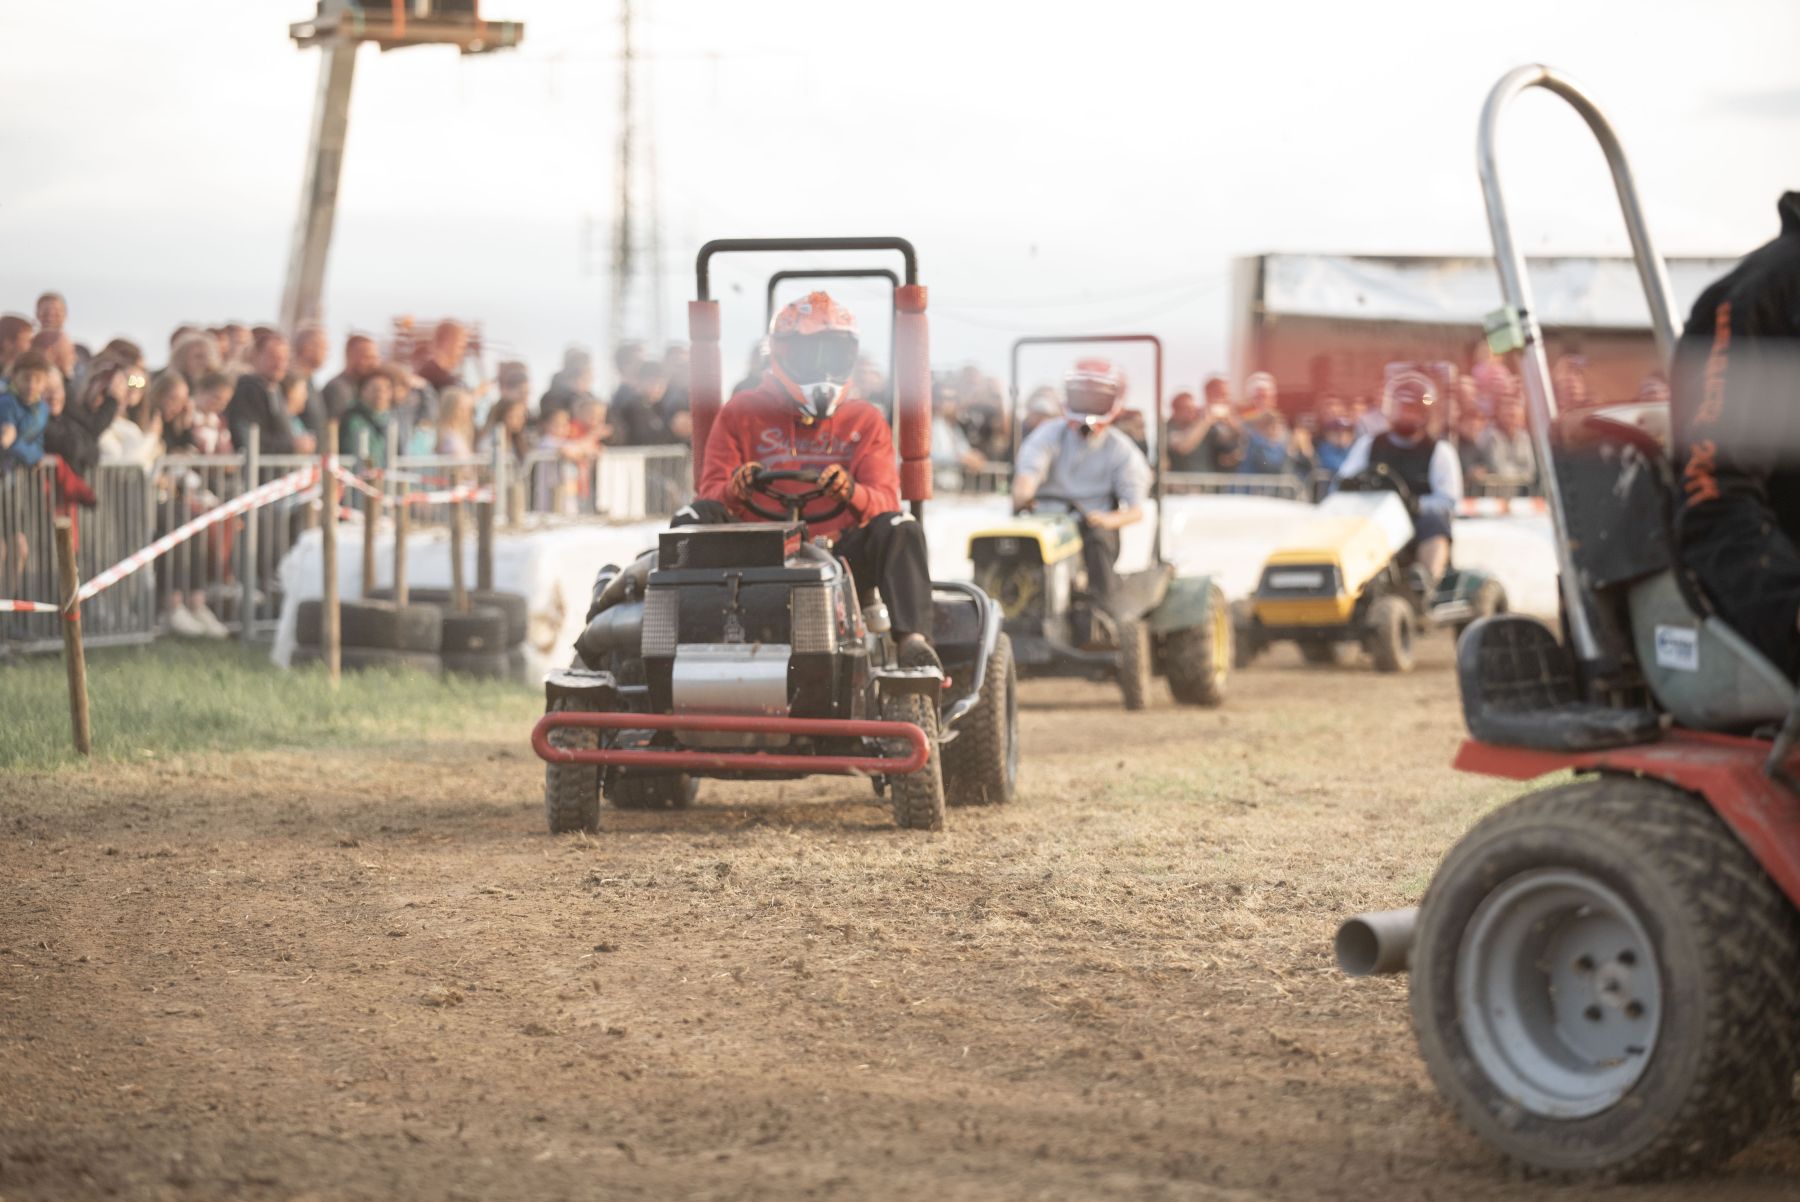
(425,635)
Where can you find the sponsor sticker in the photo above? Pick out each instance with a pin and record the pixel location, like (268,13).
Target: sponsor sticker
(1678,648)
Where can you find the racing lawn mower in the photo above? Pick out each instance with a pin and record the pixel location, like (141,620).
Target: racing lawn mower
(750,652)
(1346,578)
(1179,626)
(1606,972)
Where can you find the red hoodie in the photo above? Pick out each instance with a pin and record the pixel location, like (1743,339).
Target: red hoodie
(763,425)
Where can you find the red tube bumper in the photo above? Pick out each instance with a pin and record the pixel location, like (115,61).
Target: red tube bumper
(693,760)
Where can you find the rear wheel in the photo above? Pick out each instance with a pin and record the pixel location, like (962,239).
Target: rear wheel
(1244,643)
(1605,982)
(918,797)
(572,791)
(981,765)
(1391,634)
(1197,660)
(1489,599)
(669,791)
(1134,663)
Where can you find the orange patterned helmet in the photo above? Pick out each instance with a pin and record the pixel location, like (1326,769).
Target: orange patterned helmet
(812,351)
(1095,391)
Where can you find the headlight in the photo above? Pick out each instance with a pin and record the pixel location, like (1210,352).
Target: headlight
(814,630)
(662,613)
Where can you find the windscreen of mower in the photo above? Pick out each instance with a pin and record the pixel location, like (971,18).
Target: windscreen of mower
(824,358)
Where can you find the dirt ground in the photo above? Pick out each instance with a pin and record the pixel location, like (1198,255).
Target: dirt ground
(370,974)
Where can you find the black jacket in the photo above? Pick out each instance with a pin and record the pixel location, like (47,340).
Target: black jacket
(1735,399)
(257,402)
(75,434)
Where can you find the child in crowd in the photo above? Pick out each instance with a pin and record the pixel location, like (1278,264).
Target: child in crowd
(455,424)
(296,392)
(368,422)
(25,411)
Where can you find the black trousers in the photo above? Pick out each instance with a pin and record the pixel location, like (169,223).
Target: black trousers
(1099,554)
(888,552)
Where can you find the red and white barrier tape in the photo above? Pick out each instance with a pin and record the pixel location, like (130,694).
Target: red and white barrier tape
(29,607)
(1496,507)
(468,492)
(274,490)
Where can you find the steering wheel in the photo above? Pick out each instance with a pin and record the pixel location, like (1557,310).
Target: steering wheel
(761,481)
(1068,503)
(1380,478)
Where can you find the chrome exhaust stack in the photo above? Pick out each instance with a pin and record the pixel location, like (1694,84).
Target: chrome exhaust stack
(1377,942)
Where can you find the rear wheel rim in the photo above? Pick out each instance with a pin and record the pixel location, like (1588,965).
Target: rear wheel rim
(1221,643)
(1559,993)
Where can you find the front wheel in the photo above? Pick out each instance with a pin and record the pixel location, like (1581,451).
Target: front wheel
(1134,663)
(981,765)
(1604,982)
(572,791)
(1197,660)
(918,797)
(1391,634)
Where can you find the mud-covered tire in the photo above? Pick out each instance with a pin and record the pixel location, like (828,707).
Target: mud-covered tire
(1136,675)
(1489,599)
(918,797)
(481,631)
(673,791)
(1391,634)
(513,605)
(981,765)
(380,625)
(1719,975)
(572,791)
(1197,660)
(1245,646)
(478,665)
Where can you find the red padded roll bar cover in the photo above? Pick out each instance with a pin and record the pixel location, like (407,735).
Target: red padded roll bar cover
(706,387)
(915,479)
(912,391)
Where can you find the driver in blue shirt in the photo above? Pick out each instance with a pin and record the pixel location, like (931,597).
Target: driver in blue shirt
(1094,467)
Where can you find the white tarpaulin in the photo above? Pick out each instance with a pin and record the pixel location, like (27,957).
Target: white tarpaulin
(554,566)
(1586,293)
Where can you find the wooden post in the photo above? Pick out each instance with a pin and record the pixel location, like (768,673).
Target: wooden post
(330,630)
(402,524)
(371,507)
(249,563)
(371,521)
(484,545)
(73,654)
(459,591)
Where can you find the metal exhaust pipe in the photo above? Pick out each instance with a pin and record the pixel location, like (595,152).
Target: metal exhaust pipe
(1377,942)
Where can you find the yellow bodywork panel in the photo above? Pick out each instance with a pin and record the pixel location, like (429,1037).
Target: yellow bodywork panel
(1310,611)
(1360,544)
(1056,538)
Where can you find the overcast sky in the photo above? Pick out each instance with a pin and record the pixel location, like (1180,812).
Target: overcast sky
(1061,167)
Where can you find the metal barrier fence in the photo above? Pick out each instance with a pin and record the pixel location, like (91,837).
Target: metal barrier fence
(115,527)
(1283,485)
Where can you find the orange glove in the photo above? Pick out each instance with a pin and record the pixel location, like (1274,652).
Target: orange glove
(837,482)
(740,480)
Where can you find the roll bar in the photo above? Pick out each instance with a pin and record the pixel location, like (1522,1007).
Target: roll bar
(719,246)
(1162,450)
(1516,326)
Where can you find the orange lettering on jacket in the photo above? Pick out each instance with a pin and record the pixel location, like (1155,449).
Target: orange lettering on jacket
(1700,478)
(1712,397)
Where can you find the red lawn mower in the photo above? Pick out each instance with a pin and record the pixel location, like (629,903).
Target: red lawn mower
(749,651)
(1606,972)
